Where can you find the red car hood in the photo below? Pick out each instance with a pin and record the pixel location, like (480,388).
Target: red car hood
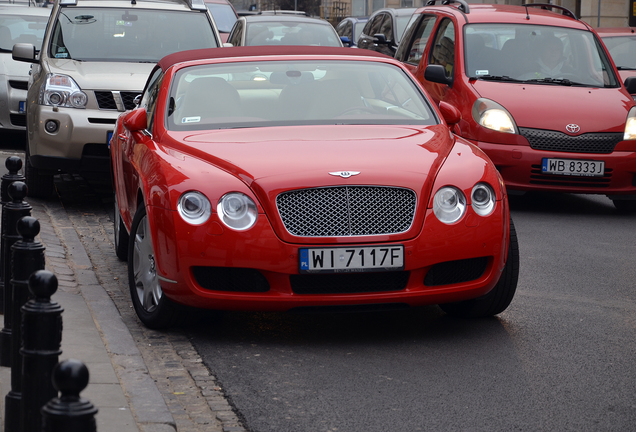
(273,159)
(553,107)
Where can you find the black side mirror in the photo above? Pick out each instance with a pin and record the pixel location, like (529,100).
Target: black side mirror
(630,84)
(380,39)
(437,74)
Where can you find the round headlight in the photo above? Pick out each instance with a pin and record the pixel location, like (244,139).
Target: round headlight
(482,199)
(194,208)
(78,99)
(237,211)
(55,98)
(449,204)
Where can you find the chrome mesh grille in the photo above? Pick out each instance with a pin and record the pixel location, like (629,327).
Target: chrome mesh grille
(540,139)
(347,211)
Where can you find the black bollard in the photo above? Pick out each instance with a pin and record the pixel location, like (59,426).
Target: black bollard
(13,165)
(27,257)
(14,210)
(69,412)
(41,342)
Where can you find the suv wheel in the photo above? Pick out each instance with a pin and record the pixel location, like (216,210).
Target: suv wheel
(39,185)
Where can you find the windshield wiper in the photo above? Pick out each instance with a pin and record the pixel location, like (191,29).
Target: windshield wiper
(496,78)
(625,68)
(557,81)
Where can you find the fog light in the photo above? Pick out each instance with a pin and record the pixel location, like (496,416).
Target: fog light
(51,126)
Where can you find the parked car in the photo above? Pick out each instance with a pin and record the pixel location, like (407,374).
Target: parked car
(318,177)
(621,44)
(537,92)
(273,29)
(383,31)
(18,24)
(94,61)
(351,28)
(224,16)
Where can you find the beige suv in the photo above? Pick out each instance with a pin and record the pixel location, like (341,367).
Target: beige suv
(95,59)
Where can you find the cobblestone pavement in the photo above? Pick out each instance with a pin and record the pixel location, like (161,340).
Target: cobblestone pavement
(192,395)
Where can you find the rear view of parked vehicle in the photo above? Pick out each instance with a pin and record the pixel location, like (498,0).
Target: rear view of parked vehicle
(537,91)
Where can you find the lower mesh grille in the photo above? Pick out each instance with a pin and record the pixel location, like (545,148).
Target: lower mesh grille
(452,272)
(601,143)
(18,119)
(106,99)
(349,283)
(230,279)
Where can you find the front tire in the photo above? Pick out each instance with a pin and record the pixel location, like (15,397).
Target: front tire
(153,308)
(497,300)
(40,185)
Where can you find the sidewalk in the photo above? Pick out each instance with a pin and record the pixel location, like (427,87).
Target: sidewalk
(140,380)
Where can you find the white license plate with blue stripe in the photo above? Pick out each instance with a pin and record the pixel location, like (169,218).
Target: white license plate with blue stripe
(351,259)
(573,167)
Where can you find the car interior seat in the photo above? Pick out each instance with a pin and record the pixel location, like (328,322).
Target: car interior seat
(208,99)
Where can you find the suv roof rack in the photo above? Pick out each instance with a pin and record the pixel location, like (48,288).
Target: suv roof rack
(463,6)
(547,6)
(192,4)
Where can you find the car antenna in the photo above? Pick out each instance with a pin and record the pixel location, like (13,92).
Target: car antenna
(135,2)
(527,13)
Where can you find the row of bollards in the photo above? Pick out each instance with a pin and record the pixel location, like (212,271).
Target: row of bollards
(31,339)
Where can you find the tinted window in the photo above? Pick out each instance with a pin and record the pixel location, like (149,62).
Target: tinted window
(21,29)
(443,52)
(113,34)
(224,16)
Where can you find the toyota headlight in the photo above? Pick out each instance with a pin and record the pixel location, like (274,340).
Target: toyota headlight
(237,211)
(482,198)
(62,91)
(194,208)
(491,115)
(449,204)
(630,125)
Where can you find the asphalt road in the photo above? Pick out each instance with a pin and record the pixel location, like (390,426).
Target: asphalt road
(561,357)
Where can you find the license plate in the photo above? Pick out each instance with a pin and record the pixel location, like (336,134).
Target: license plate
(351,259)
(22,107)
(573,167)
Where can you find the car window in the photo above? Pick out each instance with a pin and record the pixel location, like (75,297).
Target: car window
(401,24)
(537,53)
(420,38)
(345,28)
(118,34)
(291,33)
(623,50)
(224,16)
(235,35)
(386,27)
(149,98)
(300,93)
(358,29)
(374,26)
(443,52)
(21,29)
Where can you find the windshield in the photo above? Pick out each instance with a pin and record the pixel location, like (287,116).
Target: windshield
(623,50)
(291,33)
(224,16)
(536,54)
(114,34)
(21,29)
(278,93)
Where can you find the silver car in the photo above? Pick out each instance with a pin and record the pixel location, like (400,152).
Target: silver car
(95,59)
(18,24)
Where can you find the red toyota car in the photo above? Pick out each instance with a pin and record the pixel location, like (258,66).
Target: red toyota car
(296,177)
(537,91)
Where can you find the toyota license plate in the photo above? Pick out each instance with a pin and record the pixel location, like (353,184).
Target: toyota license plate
(573,167)
(351,259)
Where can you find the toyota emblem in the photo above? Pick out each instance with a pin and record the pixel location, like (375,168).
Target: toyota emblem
(344,174)
(572,128)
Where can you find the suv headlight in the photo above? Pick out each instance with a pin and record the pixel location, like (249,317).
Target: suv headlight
(491,115)
(449,204)
(62,91)
(630,125)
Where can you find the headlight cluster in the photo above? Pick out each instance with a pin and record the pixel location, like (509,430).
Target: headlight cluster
(236,210)
(62,91)
(492,115)
(449,203)
(630,125)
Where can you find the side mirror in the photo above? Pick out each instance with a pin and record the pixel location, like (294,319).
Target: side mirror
(136,120)
(630,84)
(24,52)
(450,113)
(436,74)
(227,45)
(380,39)
(346,41)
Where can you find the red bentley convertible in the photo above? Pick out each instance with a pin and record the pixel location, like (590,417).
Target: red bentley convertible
(279,178)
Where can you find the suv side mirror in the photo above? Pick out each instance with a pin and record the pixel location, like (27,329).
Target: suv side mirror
(346,41)
(24,52)
(436,74)
(630,84)
(380,39)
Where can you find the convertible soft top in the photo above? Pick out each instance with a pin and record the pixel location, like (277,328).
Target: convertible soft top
(266,50)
